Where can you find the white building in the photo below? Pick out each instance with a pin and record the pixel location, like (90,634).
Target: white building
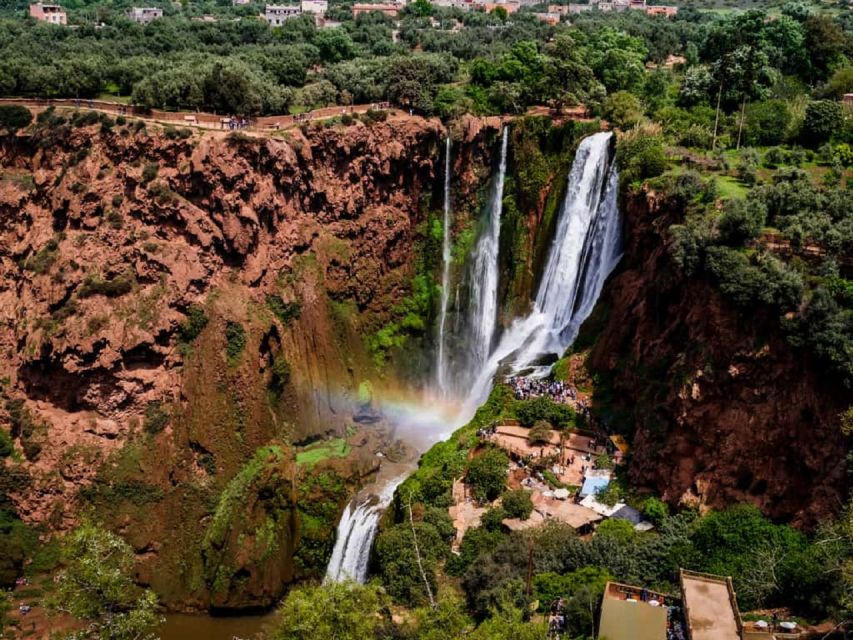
(317,7)
(144,15)
(278,14)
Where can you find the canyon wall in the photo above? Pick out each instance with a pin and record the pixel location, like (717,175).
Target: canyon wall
(178,310)
(721,409)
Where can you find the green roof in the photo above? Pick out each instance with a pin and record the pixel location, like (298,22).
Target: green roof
(624,620)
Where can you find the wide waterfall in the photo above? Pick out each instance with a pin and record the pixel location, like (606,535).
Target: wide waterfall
(441,360)
(483,304)
(585,249)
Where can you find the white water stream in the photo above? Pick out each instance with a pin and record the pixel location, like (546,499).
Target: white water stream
(441,363)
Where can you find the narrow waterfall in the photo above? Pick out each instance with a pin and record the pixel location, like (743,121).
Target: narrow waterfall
(483,310)
(585,249)
(441,361)
(356,532)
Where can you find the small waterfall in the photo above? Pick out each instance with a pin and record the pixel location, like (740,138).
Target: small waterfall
(483,310)
(585,249)
(356,532)
(441,363)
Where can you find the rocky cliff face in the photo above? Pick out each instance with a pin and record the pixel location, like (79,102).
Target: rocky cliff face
(722,409)
(174,305)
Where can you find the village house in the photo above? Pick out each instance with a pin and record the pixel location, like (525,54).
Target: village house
(391,10)
(548,18)
(51,13)
(277,14)
(317,7)
(661,10)
(144,15)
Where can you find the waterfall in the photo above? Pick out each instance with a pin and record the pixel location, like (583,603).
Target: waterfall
(356,532)
(441,363)
(585,249)
(484,275)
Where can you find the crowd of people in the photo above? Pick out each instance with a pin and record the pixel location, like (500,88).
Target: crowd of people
(235,123)
(527,388)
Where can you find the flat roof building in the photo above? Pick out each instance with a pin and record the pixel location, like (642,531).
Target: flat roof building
(144,15)
(389,9)
(51,13)
(319,7)
(278,14)
(632,613)
(710,607)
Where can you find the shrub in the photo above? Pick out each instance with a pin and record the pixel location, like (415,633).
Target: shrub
(44,258)
(486,474)
(155,418)
(823,119)
(529,412)
(111,288)
(115,219)
(150,171)
(6,447)
(14,117)
(742,220)
(540,433)
(517,504)
(640,154)
(766,122)
(235,341)
(193,325)
(280,373)
(284,311)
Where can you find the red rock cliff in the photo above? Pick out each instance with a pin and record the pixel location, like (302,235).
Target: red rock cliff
(722,408)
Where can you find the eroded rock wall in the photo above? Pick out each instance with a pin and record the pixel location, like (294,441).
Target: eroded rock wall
(722,409)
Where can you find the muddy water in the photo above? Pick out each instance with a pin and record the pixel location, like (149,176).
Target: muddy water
(180,626)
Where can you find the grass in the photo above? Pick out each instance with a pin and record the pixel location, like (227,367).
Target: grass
(731,188)
(335,448)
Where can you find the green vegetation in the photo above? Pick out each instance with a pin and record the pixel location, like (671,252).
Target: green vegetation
(13,118)
(344,611)
(235,342)
(517,504)
(96,586)
(192,326)
(486,474)
(112,287)
(334,448)
(156,417)
(286,312)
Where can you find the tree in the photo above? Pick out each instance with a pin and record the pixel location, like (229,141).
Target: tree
(824,41)
(407,553)
(623,109)
(334,45)
(344,611)
(540,433)
(96,585)
(14,117)
(742,220)
(446,620)
(823,119)
(655,510)
(517,504)
(486,474)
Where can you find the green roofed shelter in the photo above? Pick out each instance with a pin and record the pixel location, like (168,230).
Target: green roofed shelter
(624,616)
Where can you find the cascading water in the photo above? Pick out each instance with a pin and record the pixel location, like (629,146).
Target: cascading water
(356,532)
(483,310)
(585,249)
(441,361)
